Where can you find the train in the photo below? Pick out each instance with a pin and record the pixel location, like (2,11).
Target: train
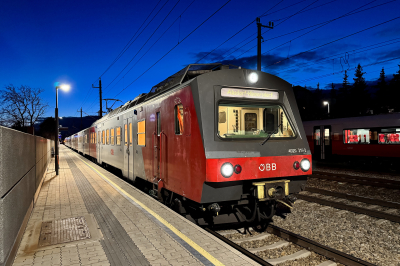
(217,143)
(368,139)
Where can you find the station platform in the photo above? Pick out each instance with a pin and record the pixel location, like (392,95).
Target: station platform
(88,216)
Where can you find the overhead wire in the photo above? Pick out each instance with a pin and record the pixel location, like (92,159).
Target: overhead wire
(159,25)
(322,45)
(155,42)
(268,30)
(130,42)
(245,27)
(173,47)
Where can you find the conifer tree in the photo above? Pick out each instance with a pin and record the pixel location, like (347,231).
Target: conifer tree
(394,90)
(344,96)
(359,96)
(382,97)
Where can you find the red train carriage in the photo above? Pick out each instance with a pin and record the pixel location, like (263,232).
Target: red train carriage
(217,143)
(356,138)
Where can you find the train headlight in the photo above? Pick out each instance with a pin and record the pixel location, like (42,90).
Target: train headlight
(253,77)
(227,170)
(305,165)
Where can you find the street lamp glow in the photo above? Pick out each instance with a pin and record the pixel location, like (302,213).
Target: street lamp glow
(64,87)
(325,103)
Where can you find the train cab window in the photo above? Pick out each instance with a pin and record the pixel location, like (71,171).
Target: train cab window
(118,138)
(237,120)
(179,119)
(112,140)
(141,133)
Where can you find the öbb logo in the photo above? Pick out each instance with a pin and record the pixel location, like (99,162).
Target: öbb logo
(112,151)
(267,167)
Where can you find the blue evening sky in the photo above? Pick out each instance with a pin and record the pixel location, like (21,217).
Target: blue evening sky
(43,42)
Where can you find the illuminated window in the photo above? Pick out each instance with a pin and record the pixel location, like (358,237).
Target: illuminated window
(108,137)
(141,133)
(179,119)
(94,137)
(118,133)
(130,134)
(104,137)
(112,136)
(239,121)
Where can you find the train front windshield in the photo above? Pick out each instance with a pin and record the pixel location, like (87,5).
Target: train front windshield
(237,120)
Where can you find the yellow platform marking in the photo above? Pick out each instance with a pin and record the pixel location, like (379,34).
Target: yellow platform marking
(164,222)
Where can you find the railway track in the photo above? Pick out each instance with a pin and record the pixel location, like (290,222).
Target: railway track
(361,180)
(284,238)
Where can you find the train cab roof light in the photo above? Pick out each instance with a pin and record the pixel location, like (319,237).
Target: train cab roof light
(296,165)
(227,170)
(253,77)
(305,165)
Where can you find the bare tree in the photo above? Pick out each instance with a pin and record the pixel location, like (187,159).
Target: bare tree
(21,106)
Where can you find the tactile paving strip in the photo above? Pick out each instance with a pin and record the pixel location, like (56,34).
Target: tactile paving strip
(117,244)
(63,231)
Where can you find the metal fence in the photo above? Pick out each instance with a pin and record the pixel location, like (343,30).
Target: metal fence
(23,162)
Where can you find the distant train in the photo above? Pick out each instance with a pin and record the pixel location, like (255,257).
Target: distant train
(218,144)
(356,138)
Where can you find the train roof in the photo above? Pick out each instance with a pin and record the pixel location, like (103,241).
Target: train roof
(392,119)
(187,73)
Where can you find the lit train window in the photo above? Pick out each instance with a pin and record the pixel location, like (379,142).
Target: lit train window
(141,133)
(104,137)
(317,136)
(108,137)
(99,137)
(179,119)
(236,120)
(118,133)
(112,140)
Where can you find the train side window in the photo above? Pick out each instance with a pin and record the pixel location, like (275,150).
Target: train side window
(317,136)
(118,141)
(94,137)
(357,136)
(141,133)
(112,136)
(178,119)
(108,137)
(104,137)
(130,134)
(388,136)
(99,137)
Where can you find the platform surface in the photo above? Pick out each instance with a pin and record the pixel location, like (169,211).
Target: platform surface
(88,216)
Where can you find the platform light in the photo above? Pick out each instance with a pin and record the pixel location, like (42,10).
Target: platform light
(253,77)
(227,170)
(305,165)
(64,87)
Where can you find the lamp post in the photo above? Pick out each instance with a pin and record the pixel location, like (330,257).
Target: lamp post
(63,87)
(327,103)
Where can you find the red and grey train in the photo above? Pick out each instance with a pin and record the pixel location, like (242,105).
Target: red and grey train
(218,143)
(372,138)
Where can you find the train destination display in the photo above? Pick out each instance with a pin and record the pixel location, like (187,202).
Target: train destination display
(250,94)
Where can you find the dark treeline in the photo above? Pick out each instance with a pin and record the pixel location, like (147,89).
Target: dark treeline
(351,99)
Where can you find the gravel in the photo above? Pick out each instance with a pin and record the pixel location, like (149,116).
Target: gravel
(357,190)
(367,238)
(357,173)
(279,252)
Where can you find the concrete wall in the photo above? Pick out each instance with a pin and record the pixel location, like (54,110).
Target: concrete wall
(23,162)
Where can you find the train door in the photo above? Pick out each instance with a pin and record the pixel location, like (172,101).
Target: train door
(128,167)
(322,142)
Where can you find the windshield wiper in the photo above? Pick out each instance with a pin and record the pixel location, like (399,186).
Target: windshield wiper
(265,140)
